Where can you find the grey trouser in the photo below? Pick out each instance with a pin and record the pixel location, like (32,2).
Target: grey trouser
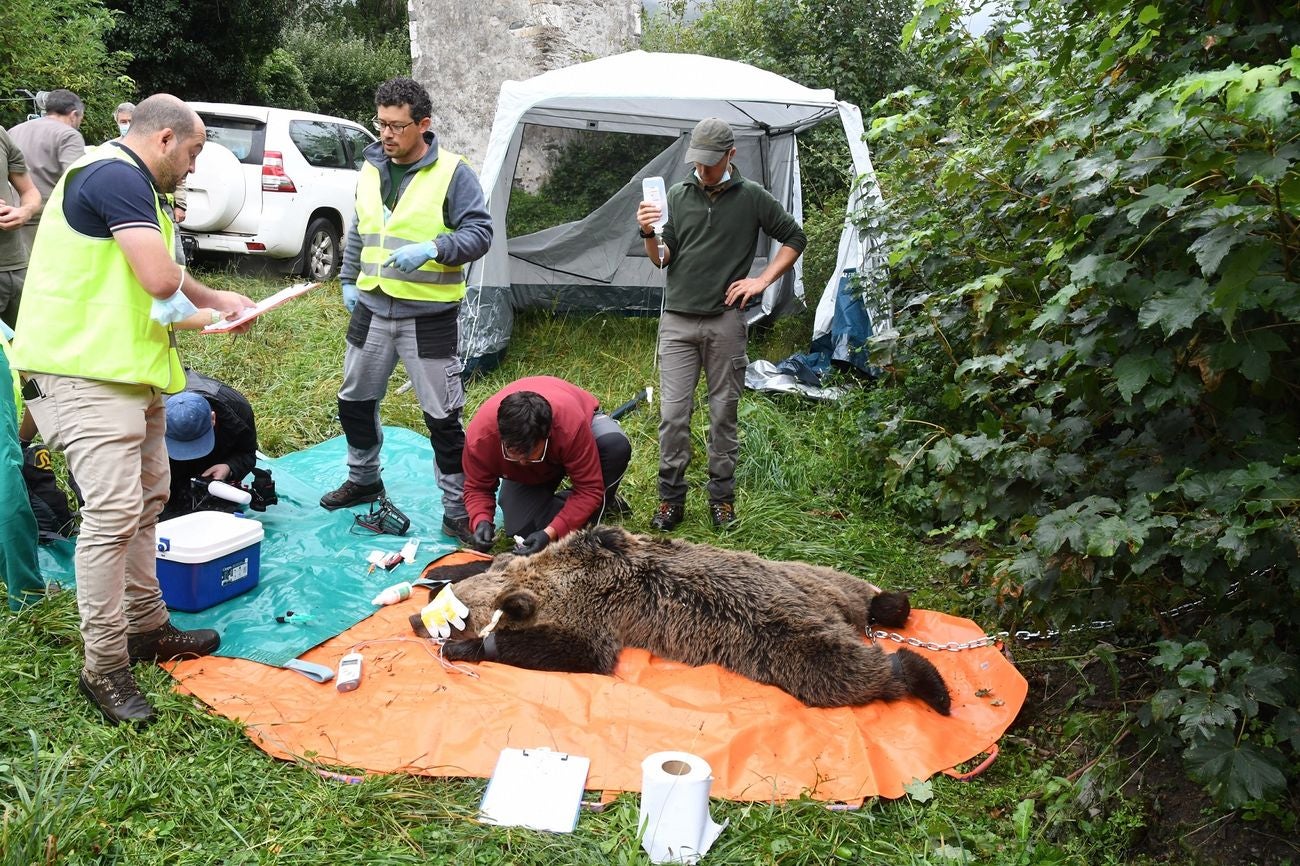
(428,351)
(688,344)
(11,292)
(530,507)
(112,435)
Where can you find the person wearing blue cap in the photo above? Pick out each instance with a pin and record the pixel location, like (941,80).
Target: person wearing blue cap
(211,434)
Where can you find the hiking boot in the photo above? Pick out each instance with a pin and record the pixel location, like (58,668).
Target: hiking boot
(351,493)
(168,643)
(723,513)
(668,516)
(458,528)
(118,696)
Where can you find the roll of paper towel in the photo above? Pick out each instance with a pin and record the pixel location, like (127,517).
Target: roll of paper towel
(675,823)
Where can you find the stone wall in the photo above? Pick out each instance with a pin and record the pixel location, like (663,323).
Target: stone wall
(463,49)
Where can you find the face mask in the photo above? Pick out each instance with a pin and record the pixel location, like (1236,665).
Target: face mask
(123,127)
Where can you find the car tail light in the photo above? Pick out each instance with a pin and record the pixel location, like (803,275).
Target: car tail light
(273,177)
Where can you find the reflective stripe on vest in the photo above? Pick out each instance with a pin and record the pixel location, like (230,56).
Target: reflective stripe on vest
(84,312)
(416,219)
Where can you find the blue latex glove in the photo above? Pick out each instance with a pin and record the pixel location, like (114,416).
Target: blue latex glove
(412,256)
(168,311)
(533,543)
(351,294)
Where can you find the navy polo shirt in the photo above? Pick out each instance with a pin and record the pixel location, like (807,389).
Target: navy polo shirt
(111,195)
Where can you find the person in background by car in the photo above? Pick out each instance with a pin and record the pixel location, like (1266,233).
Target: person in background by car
(420,219)
(13,216)
(122,117)
(50,144)
(211,434)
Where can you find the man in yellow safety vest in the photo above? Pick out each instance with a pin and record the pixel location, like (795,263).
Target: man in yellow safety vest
(420,220)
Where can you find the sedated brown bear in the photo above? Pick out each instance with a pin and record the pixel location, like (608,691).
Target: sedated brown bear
(576,604)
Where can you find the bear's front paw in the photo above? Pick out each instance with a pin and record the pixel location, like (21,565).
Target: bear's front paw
(463,650)
(889,609)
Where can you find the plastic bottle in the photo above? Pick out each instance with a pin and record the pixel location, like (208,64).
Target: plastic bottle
(654,191)
(393,594)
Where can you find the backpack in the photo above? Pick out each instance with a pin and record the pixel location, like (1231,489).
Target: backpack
(49,503)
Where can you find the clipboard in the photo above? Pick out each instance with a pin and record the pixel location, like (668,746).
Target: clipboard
(269,303)
(535,788)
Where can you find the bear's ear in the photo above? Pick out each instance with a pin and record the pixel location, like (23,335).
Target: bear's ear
(613,538)
(518,604)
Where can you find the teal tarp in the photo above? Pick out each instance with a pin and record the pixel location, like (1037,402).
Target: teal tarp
(313,561)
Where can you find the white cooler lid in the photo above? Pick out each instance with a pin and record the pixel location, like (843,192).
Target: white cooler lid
(205,535)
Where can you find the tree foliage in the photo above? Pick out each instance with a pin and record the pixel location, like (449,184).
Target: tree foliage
(49,44)
(206,51)
(381,19)
(850,46)
(319,68)
(1094,230)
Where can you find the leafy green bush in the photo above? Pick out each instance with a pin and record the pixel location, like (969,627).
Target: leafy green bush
(1094,227)
(49,44)
(321,68)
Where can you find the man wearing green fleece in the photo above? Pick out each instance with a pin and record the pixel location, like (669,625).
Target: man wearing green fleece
(709,244)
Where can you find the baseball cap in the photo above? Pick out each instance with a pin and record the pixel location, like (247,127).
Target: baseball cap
(189,427)
(710,141)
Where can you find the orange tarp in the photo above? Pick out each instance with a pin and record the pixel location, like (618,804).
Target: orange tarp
(410,715)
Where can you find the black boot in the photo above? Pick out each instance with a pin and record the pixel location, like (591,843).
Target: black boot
(168,643)
(118,697)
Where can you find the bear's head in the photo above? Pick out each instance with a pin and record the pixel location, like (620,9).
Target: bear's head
(524,588)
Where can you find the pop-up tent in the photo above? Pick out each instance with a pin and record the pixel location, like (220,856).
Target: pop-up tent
(599,263)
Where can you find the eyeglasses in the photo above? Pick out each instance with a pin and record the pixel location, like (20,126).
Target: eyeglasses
(526,460)
(397,128)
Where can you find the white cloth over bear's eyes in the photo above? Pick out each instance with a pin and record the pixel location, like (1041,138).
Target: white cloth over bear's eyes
(443,613)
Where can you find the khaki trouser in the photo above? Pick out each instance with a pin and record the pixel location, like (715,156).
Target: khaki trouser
(112,435)
(688,344)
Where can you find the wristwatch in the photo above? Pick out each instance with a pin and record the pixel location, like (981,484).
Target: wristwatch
(643,234)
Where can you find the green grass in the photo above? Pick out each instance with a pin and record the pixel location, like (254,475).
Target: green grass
(193,789)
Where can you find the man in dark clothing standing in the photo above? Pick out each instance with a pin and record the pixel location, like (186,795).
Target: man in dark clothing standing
(708,247)
(211,434)
(529,436)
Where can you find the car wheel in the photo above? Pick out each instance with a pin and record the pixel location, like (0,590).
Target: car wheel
(322,251)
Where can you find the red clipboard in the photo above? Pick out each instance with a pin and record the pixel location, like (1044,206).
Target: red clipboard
(270,303)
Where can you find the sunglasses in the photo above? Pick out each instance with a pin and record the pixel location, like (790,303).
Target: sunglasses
(526,460)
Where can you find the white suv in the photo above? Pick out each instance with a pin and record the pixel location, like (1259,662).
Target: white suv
(275,182)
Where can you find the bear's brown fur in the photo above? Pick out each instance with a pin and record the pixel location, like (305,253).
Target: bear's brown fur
(576,604)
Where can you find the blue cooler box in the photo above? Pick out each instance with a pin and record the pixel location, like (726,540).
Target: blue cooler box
(207,557)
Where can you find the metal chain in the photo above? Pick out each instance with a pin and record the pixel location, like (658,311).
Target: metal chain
(951,646)
(1023,635)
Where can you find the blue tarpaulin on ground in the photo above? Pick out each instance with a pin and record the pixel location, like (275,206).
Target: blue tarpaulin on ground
(313,561)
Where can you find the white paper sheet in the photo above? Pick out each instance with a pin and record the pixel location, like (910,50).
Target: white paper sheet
(261,307)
